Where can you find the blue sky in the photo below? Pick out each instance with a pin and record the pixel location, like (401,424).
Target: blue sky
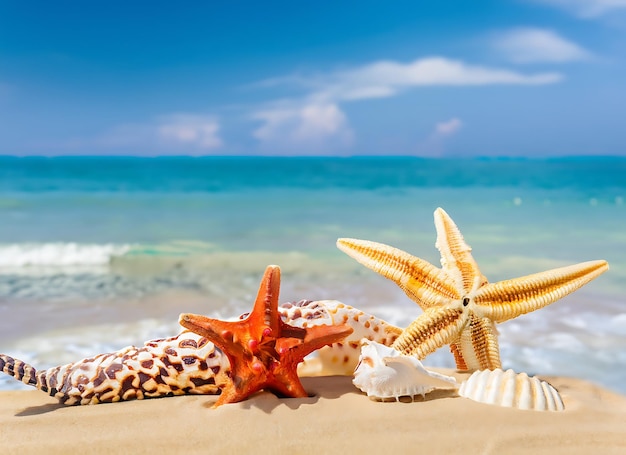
(436,79)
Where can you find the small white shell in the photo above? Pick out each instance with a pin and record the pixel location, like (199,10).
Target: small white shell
(385,373)
(509,389)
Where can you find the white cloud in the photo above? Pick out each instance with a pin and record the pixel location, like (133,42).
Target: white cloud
(530,45)
(193,130)
(315,121)
(171,134)
(394,76)
(311,126)
(385,78)
(448,128)
(586,9)
(435,144)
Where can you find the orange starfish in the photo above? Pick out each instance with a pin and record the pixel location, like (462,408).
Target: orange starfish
(264,352)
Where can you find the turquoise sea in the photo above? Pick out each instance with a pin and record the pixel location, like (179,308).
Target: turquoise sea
(98,253)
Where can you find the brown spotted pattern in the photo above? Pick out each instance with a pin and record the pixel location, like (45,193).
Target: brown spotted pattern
(339,358)
(188,363)
(184,364)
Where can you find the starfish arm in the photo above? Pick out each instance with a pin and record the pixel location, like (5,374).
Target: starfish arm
(220,333)
(459,360)
(288,384)
(431,330)
(265,311)
(477,346)
(508,299)
(228,395)
(456,255)
(424,283)
(316,338)
(284,377)
(241,386)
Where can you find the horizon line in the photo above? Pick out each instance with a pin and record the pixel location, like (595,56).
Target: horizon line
(339,157)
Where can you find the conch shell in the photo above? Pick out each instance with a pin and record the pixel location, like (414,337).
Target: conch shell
(384,373)
(510,389)
(338,358)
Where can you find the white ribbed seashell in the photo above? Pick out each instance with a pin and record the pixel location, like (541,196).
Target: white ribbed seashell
(510,389)
(384,373)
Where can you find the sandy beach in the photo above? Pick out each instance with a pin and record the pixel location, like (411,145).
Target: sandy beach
(336,419)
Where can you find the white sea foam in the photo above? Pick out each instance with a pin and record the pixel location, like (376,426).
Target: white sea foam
(13,256)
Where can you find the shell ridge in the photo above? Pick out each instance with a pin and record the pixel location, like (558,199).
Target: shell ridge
(510,389)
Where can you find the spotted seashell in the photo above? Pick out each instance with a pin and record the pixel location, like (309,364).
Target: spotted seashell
(385,373)
(338,358)
(184,364)
(188,363)
(510,389)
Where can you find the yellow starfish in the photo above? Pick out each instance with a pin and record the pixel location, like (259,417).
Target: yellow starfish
(460,306)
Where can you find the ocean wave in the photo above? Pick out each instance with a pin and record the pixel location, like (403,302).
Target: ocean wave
(21,255)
